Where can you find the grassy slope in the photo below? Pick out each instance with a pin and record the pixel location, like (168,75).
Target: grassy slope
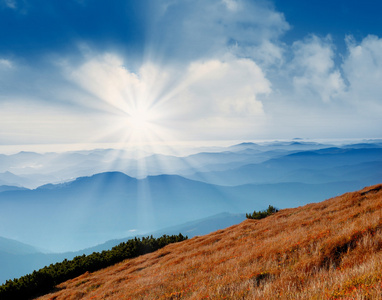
(327,250)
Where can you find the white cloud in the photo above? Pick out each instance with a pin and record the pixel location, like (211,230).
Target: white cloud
(27,120)
(200,90)
(315,75)
(219,99)
(7,75)
(10,3)
(231,4)
(312,96)
(106,79)
(227,88)
(4,63)
(212,94)
(363,71)
(268,54)
(225,73)
(195,30)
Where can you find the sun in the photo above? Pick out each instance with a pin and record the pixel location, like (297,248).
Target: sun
(139,120)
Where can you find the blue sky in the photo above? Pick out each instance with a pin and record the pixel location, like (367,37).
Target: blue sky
(91,71)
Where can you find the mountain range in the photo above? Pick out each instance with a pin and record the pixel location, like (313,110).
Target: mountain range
(90,210)
(30,170)
(318,166)
(66,202)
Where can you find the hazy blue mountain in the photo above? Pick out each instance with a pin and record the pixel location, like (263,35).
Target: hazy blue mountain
(158,164)
(94,209)
(279,145)
(228,158)
(12,254)
(367,172)
(31,169)
(364,145)
(4,188)
(318,166)
(8,178)
(13,265)
(15,247)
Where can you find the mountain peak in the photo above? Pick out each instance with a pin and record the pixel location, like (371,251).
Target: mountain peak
(15,247)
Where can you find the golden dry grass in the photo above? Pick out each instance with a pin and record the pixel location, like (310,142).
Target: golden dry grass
(327,250)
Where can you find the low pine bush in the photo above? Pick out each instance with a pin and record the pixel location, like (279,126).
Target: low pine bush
(257,215)
(45,279)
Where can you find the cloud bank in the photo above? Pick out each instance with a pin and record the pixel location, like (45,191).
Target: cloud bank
(207,70)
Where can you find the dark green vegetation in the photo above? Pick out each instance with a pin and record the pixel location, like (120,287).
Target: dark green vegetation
(45,279)
(261,214)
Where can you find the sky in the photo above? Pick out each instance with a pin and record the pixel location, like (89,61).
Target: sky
(173,71)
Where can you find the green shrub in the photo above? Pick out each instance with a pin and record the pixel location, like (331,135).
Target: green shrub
(263,213)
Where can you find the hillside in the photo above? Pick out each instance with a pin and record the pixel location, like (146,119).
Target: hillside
(327,250)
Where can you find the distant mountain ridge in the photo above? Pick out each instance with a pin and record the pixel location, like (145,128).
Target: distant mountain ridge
(67,212)
(93,209)
(293,167)
(4,188)
(29,169)
(15,247)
